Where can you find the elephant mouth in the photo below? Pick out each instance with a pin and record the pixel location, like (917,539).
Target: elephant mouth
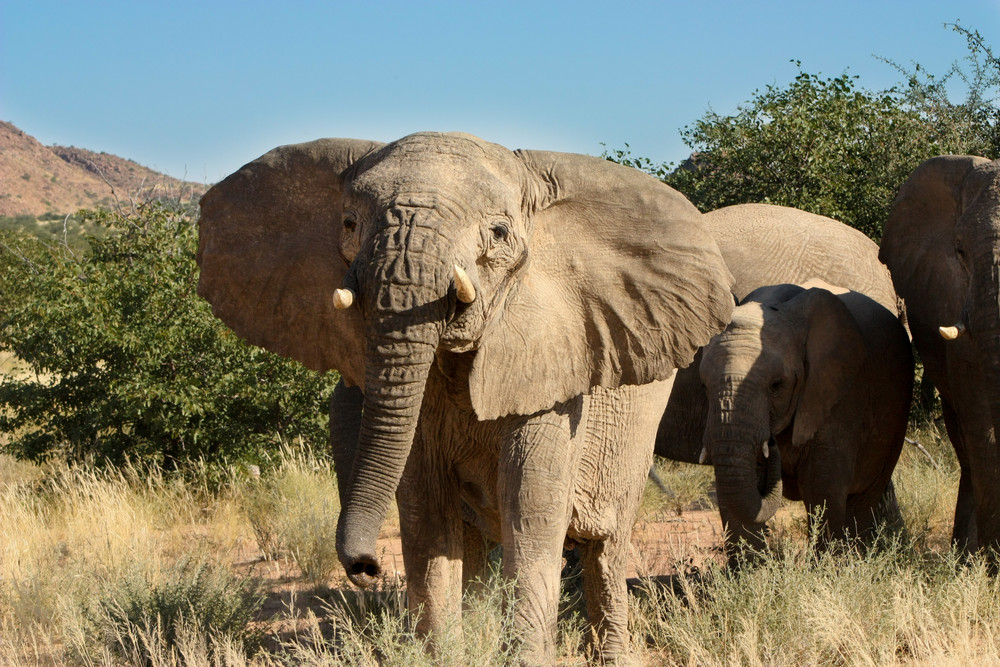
(465,330)
(469,322)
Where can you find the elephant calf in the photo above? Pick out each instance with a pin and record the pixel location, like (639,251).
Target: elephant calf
(808,396)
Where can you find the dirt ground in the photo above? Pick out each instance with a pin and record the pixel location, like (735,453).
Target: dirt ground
(661,545)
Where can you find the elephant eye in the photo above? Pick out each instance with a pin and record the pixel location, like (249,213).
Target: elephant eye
(350,224)
(960,248)
(776,385)
(500,231)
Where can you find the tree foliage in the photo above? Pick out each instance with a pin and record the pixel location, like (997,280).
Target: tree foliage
(123,359)
(820,145)
(826,145)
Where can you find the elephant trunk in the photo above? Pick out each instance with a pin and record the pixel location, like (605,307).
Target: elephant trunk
(394,390)
(346,405)
(405,299)
(750,497)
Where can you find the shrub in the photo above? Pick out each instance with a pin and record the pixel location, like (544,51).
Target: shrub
(191,597)
(829,146)
(124,357)
(293,509)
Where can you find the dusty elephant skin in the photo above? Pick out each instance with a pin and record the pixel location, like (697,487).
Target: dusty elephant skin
(942,245)
(771,245)
(814,388)
(500,316)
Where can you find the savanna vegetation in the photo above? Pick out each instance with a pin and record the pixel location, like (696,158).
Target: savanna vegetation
(135,565)
(166,497)
(126,361)
(830,146)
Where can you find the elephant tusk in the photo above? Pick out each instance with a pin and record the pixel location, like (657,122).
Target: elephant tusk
(951,333)
(464,290)
(342,298)
(765,449)
(703,459)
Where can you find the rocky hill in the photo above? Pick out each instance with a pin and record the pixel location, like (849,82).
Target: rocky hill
(36,179)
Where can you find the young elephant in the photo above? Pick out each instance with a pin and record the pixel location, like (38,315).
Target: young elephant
(765,245)
(810,391)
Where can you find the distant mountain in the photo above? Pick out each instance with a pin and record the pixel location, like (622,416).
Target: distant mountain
(37,179)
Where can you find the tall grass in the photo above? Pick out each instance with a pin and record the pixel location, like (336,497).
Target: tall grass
(81,545)
(888,607)
(675,487)
(926,481)
(135,567)
(293,510)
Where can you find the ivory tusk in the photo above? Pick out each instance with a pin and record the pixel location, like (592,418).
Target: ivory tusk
(464,290)
(951,333)
(342,298)
(703,459)
(765,449)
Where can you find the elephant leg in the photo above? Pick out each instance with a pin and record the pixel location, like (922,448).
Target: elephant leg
(434,540)
(828,516)
(535,475)
(963,534)
(871,516)
(606,592)
(476,550)
(886,517)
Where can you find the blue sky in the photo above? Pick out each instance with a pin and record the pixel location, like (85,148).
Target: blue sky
(196,89)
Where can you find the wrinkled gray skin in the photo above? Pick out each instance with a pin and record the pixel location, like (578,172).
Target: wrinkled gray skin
(942,245)
(769,245)
(525,416)
(814,386)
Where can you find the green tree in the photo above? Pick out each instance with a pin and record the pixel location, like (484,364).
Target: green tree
(826,145)
(819,144)
(125,360)
(972,123)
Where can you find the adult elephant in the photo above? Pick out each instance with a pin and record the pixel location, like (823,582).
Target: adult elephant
(942,245)
(810,390)
(507,320)
(771,245)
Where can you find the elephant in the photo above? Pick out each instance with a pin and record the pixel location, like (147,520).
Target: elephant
(506,325)
(809,389)
(763,245)
(942,245)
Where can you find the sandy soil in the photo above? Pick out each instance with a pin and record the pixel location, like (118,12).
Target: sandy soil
(661,545)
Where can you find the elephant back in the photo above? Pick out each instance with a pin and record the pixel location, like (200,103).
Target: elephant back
(770,245)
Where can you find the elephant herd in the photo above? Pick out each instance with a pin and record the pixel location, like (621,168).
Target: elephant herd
(518,331)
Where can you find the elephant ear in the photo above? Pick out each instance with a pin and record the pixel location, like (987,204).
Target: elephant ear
(681,433)
(918,244)
(622,284)
(269,238)
(834,352)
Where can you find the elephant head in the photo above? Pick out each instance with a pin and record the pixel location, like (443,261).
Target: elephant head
(942,246)
(543,274)
(773,377)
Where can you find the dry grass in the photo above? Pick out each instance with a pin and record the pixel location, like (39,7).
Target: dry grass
(676,487)
(79,545)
